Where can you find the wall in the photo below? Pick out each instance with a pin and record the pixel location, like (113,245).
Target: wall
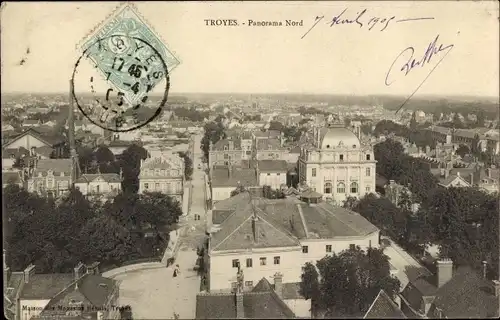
(7,163)
(104,187)
(36,306)
(222,273)
(317,247)
(273,179)
(221,193)
(301,307)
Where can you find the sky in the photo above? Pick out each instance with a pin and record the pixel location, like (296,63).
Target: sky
(339,59)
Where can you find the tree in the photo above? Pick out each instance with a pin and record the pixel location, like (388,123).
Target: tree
(350,202)
(462,150)
(475,148)
(86,159)
(102,239)
(18,163)
(188,165)
(157,210)
(214,131)
(436,116)
(457,122)
(104,155)
(276,125)
(309,286)
(350,281)
(131,165)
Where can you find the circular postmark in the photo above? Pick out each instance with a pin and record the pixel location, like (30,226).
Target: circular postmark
(120,72)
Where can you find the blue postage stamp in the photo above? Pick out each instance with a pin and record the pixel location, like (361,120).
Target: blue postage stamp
(128,54)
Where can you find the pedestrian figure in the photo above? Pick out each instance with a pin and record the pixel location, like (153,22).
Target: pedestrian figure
(176,270)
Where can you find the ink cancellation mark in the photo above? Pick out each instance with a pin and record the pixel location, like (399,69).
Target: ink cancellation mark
(129,58)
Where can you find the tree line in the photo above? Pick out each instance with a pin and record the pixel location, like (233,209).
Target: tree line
(462,221)
(55,234)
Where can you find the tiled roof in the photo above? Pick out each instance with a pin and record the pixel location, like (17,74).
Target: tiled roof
(107,177)
(49,137)
(260,304)
(44,151)
(223,209)
(310,194)
(237,231)
(326,221)
(95,290)
(46,286)
(171,161)
(272,165)
(219,145)
(269,144)
(384,308)
(244,177)
(56,165)
(465,295)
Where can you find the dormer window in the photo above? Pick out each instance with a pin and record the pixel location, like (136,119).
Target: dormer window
(341,157)
(354,146)
(328,146)
(367,157)
(225,148)
(39,174)
(62,174)
(50,172)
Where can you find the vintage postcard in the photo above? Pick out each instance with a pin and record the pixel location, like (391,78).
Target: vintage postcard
(250,160)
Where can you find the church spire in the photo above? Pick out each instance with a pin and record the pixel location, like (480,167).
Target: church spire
(75,166)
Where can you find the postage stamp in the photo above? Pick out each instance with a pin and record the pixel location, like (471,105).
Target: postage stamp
(131,61)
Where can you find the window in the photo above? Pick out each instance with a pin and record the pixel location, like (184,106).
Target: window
(328,248)
(225,147)
(234,285)
(305,249)
(268,174)
(352,246)
(97,188)
(341,157)
(248,283)
(248,153)
(226,156)
(367,189)
(328,146)
(277,174)
(146,186)
(367,157)
(249,263)
(354,146)
(236,263)
(313,172)
(354,187)
(157,186)
(263,261)
(328,187)
(340,187)
(368,172)
(276,260)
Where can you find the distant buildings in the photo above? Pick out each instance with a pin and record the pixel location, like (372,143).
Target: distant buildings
(334,163)
(163,174)
(32,139)
(51,177)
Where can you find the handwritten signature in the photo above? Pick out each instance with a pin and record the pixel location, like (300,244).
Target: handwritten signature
(362,20)
(406,62)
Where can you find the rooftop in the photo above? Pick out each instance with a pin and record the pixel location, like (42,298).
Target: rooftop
(107,177)
(272,165)
(56,165)
(239,176)
(384,308)
(46,286)
(261,303)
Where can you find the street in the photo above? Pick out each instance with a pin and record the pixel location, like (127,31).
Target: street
(155,293)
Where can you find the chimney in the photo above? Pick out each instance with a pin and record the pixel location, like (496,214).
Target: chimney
(78,270)
(489,172)
(317,132)
(240,313)
(28,273)
(278,284)
(472,178)
(485,268)
(93,268)
(444,271)
(496,287)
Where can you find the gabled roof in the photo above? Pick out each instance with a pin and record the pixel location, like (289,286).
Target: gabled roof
(238,231)
(49,138)
(263,303)
(107,177)
(384,308)
(273,166)
(14,152)
(451,178)
(238,176)
(46,286)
